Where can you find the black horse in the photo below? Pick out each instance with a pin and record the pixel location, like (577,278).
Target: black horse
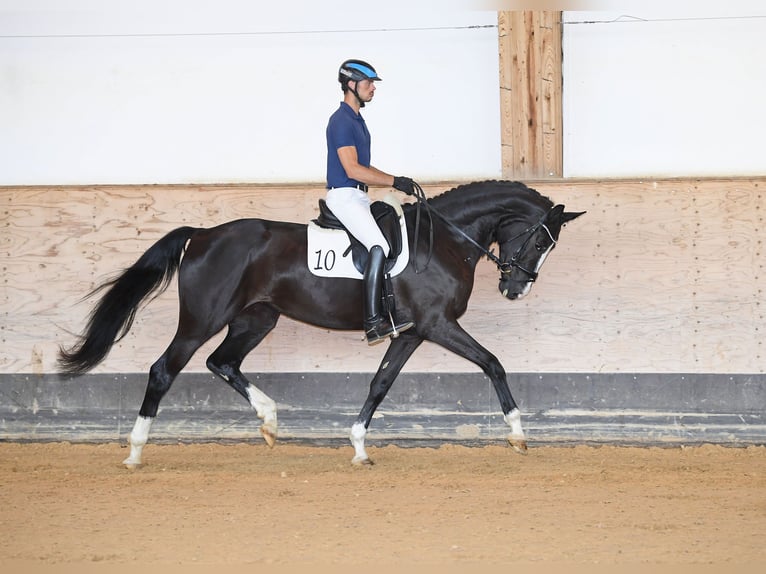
(246,273)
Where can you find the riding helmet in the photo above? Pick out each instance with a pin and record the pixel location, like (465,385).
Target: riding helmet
(356,70)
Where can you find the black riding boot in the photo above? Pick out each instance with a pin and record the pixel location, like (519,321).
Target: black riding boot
(376,327)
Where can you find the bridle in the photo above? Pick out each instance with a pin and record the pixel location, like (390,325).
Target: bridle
(505,267)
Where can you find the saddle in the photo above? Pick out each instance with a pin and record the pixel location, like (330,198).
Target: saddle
(387,219)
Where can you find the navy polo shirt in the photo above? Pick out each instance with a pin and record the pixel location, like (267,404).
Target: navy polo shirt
(346,128)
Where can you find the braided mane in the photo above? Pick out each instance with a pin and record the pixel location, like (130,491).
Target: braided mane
(477,187)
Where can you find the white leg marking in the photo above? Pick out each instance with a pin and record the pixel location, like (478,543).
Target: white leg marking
(137,439)
(513,419)
(266,409)
(358,432)
(516,439)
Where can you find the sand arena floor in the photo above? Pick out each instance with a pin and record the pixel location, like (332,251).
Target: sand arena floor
(75,506)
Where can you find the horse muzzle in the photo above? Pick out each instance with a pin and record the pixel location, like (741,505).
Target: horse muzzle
(513,293)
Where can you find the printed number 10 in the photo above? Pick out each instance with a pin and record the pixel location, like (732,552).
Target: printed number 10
(327,262)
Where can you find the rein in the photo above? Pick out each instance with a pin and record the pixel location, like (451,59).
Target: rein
(505,267)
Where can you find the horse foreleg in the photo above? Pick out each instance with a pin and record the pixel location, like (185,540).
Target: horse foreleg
(511,413)
(453,337)
(516,439)
(399,351)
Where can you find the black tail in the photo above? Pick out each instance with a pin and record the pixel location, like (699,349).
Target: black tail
(112,318)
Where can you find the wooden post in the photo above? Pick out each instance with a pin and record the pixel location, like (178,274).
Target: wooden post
(530,94)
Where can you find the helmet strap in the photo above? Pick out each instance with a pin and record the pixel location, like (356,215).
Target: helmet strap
(353,91)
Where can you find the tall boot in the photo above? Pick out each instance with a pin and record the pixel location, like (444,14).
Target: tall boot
(377,328)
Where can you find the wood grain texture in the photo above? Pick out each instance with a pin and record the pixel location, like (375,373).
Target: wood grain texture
(659,276)
(530,92)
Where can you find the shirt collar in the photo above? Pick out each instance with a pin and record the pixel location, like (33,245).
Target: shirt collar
(350,111)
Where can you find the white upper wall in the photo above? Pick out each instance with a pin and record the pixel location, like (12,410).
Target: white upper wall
(665,93)
(192,91)
(195,91)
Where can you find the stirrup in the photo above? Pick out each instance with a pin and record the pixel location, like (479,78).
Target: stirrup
(380,330)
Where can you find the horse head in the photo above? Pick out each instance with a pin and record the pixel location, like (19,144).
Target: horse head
(524,248)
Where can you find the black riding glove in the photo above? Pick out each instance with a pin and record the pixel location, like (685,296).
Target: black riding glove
(404,184)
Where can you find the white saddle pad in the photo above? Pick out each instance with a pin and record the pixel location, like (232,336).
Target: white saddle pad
(327,247)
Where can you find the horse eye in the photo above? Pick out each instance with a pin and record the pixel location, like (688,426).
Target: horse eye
(538,246)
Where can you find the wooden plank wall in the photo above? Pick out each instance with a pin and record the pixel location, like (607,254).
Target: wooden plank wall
(659,276)
(529,44)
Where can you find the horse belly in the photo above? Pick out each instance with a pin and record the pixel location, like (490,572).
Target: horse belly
(320,301)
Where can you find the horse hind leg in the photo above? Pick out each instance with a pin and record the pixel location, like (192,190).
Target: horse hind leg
(137,440)
(246,331)
(397,354)
(161,376)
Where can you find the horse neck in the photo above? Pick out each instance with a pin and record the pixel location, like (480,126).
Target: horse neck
(479,213)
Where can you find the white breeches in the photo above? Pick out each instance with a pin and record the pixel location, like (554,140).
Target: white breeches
(352,207)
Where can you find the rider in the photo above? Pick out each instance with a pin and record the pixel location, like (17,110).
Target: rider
(348,174)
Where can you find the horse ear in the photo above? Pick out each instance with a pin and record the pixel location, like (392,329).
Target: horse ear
(570,215)
(563,217)
(555,213)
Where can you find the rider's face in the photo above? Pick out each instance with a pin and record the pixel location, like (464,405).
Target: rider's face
(365,89)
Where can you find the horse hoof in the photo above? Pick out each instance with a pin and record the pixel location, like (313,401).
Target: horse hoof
(131,464)
(269,436)
(519,444)
(362,461)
